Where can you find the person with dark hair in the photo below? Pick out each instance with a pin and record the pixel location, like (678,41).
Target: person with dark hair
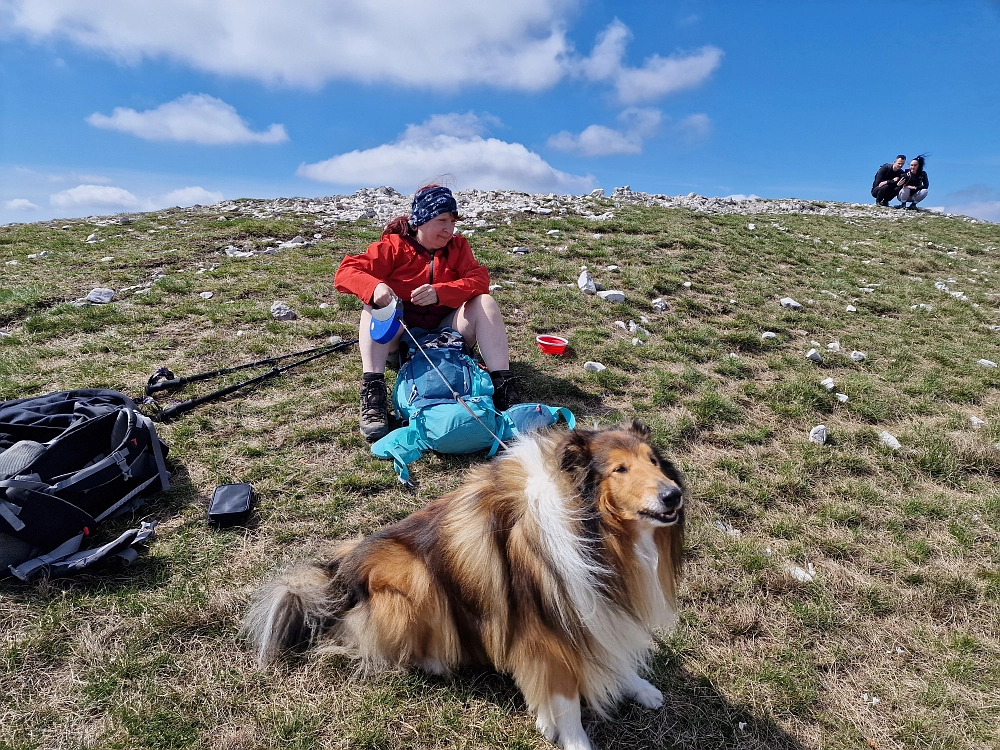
(421,261)
(915,184)
(887,181)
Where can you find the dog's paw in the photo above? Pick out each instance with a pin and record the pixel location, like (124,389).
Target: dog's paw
(643,693)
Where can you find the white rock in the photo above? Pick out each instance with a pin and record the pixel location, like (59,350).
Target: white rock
(612,295)
(814,356)
(586,283)
(828,384)
(768,335)
(598,193)
(520,251)
(317,236)
(922,306)
(818,434)
(789,304)
(281,311)
(858,356)
(324,305)
(91,238)
(207,295)
(751,227)
(544,212)
(106,259)
(335,340)
(42,254)
(611,268)
(621,324)
(594,367)
(686,284)
(805,575)
(235,252)
(833,346)
(12,263)
(889,440)
(644,320)
(851,308)
(495,287)
(638,341)
(977,422)
(842,397)
(100,296)
(552,231)
(660,305)
(987,363)
(728,530)
(866,290)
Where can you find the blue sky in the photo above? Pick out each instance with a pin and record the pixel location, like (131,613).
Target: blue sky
(127,105)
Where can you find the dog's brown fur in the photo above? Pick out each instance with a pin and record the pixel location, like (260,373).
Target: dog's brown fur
(552,563)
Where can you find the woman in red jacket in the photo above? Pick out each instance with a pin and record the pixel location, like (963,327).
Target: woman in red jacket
(423,262)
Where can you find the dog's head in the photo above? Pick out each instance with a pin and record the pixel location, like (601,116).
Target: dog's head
(625,475)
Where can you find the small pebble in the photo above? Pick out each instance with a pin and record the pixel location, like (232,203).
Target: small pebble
(769,335)
(637,342)
(594,367)
(281,311)
(612,295)
(495,287)
(858,356)
(818,434)
(889,440)
(851,308)
(324,305)
(621,324)
(789,304)
(612,268)
(987,363)
(842,397)
(207,295)
(751,227)
(833,346)
(101,296)
(660,305)
(977,422)
(814,356)
(520,251)
(828,384)
(335,340)
(106,258)
(686,284)
(586,283)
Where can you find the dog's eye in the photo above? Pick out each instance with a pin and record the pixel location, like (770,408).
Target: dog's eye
(653,459)
(621,470)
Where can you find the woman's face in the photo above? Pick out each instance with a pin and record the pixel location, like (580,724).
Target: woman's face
(437,232)
(915,166)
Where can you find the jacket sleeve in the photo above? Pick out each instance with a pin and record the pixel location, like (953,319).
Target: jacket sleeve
(473,280)
(360,274)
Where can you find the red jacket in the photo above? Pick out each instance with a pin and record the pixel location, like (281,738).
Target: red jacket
(404,265)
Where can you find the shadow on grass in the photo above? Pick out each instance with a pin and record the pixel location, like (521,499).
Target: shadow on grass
(695,715)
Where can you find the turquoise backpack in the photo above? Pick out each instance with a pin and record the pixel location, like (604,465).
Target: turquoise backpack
(436,421)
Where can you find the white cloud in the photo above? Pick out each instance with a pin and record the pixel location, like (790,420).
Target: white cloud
(98,196)
(196,118)
(190,196)
(452,144)
(693,129)
(20,204)
(599,140)
(657,77)
(978,201)
(516,44)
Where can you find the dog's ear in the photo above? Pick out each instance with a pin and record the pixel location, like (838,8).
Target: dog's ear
(575,456)
(640,429)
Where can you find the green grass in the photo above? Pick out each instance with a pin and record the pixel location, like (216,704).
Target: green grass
(905,544)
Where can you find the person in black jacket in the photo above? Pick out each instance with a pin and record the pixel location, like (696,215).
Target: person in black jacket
(915,184)
(887,181)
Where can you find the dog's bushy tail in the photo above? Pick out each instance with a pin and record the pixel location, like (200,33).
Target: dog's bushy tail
(288,613)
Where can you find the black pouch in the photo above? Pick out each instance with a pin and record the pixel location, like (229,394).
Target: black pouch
(231,504)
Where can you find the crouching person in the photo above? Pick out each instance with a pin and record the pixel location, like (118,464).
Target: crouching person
(421,260)
(915,184)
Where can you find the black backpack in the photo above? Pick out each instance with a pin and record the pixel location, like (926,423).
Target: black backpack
(68,461)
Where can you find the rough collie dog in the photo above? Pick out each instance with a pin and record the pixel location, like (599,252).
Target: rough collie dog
(552,563)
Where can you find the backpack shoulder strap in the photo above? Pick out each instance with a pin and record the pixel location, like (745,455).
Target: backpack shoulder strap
(403,446)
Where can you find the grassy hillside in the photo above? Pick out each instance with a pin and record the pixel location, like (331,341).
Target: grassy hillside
(893,644)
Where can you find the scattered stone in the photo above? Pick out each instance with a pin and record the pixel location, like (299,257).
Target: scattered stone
(928,308)
(833,346)
(858,356)
(803,575)
(660,305)
(207,295)
(768,335)
(866,290)
(637,329)
(496,288)
(889,440)
(728,530)
(586,283)
(594,367)
(842,397)
(992,328)
(335,340)
(235,252)
(828,384)
(644,320)
(638,341)
(851,308)
(521,251)
(751,227)
(552,231)
(789,304)
(281,311)
(107,258)
(324,305)
(814,356)
(977,422)
(12,263)
(317,236)
(42,254)
(621,324)
(818,434)
(611,268)
(686,284)
(612,295)
(598,193)
(100,296)
(91,239)
(4,334)
(297,241)
(987,363)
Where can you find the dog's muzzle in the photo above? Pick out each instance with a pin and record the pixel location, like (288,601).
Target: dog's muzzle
(671,502)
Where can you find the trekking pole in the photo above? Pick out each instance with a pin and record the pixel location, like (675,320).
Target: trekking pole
(172,382)
(190,404)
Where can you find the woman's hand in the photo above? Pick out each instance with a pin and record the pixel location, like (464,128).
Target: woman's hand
(382,295)
(424,295)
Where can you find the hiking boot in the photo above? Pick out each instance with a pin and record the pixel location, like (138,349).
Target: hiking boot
(374,409)
(505,390)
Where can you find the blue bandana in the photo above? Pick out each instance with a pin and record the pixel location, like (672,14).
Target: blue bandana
(431,202)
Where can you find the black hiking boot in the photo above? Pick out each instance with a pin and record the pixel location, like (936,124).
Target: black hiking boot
(374,409)
(505,390)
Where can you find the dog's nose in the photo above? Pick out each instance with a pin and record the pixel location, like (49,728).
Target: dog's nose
(670,495)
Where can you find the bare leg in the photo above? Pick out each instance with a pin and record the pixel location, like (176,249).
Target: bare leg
(479,321)
(373,354)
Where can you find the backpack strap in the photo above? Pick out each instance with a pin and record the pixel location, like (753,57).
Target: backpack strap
(67,558)
(547,415)
(403,446)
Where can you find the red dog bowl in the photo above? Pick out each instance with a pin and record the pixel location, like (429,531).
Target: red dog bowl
(551,344)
